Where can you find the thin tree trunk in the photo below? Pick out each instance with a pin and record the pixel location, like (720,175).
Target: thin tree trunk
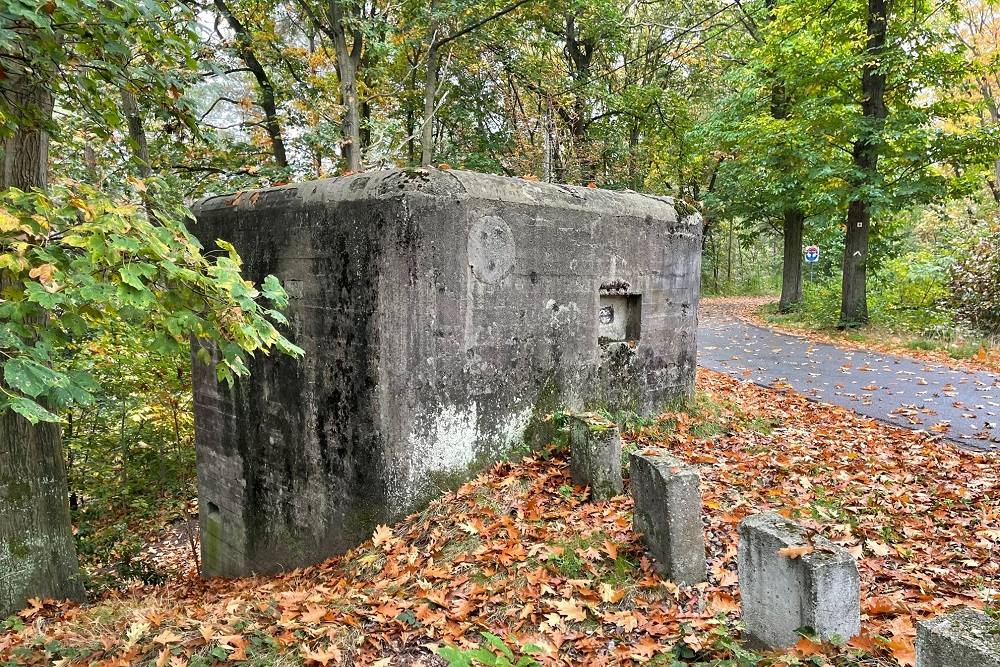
(138,144)
(37,554)
(90,163)
(430,93)
(265,91)
(791,265)
(411,112)
(994,182)
(348,61)
(865,154)
(729,271)
(794,218)
(991,106)
(351,127)
(136,132)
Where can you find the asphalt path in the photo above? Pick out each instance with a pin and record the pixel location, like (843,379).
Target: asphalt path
(956,404)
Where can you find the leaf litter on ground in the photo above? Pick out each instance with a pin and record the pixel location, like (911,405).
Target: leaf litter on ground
(519,554)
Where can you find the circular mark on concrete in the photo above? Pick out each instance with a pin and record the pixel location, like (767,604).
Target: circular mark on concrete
(491,249)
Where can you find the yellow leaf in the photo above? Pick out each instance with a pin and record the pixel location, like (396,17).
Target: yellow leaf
(83,207)
(609,594)
(381,535)
(571,609)
(134,633)
(8,223)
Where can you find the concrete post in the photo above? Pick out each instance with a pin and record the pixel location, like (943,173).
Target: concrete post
(961,638)
(781,593)
(595,456)
(668,514)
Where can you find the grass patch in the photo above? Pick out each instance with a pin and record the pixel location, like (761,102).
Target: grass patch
(948,341)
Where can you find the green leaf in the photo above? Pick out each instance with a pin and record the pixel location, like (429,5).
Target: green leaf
(29,377)
(31,410)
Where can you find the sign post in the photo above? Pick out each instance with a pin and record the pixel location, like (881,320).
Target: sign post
(812,256)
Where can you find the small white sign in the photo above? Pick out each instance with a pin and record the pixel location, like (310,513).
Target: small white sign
(812,254)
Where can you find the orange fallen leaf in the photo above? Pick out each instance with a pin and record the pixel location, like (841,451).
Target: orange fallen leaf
(797,551)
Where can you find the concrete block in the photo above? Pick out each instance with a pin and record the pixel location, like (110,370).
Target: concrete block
(668,513)
(444,315)
(819,590)
(595,456)
(962,638)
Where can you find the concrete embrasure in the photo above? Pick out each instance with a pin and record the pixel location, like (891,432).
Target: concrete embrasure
(961,638)
(668,513)
(780,594)
(595,455)
(443,315)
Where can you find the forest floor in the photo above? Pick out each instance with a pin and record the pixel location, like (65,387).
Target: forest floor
(961,404)
(519,553)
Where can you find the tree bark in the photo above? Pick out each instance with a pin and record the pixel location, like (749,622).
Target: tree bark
(986,89)
(791,265)
(26,152)
(136,132)
(348,61)
(865,155)
(430,93)
(265,94)
(37,554)
(994,183)
(580,53)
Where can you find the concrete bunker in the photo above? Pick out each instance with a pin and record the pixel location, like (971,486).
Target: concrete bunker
(444,314)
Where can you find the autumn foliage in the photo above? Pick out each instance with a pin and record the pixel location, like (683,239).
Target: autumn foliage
(521,554)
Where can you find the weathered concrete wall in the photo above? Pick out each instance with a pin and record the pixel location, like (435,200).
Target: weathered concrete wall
(442,314)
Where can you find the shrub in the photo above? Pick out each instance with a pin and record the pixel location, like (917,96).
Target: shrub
(975,285)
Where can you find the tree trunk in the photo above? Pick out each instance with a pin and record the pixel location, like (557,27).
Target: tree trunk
(136,133)
(351,143)
(794,218)
(348,61)
(865,154)
(138,144)
(430,93)
(580,53)
(854,296)
(791,264)
(265,91)
(994,182)
(37,554)
(26,153)
(994,111)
